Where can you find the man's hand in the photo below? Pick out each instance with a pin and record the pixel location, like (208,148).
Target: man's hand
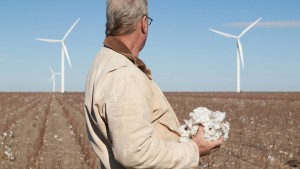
(206,147)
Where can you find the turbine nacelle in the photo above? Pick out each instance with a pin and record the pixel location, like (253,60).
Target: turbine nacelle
(239,44)
(64,47)
(52,78)
(52,74)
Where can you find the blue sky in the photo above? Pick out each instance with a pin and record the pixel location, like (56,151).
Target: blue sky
(181,52)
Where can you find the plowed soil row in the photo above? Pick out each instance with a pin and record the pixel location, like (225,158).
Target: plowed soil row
(26,131)
(16,110)
(76,121)
(43,139)
(60,149)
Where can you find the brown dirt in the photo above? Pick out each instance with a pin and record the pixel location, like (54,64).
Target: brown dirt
(45,130)
(42,135)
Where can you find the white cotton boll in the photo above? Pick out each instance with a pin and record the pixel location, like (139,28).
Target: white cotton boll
(208,130)
(212,123)
(217,126)
(218,134)
(201,117)
(182,129)
(212,135)
(209,123)
(201,109)
(225,136)
(185,134)
(209,137)
(192,115)
(218,116)
(225,129)
(191,124)
(188,123)
(194,130)
(184,139)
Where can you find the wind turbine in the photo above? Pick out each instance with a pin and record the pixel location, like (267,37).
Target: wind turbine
(52,78)
(64,51)
(239,56)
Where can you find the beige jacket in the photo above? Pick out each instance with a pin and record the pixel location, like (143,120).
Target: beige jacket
(129,121)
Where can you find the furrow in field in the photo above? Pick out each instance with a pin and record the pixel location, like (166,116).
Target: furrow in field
(76,120)
(12,117)
(20,142)
(33,161)
(60,149)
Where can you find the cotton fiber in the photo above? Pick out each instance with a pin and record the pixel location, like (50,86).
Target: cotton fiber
(212,123)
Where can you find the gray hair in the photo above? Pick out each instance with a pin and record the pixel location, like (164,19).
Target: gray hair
(122,16)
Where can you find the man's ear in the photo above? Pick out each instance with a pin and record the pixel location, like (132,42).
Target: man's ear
(144,25)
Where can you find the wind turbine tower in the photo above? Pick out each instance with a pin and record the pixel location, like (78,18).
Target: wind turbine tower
(239,56)
(52,78)
(64,52)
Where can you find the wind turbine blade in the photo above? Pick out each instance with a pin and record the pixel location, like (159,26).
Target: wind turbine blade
(51,78)
(51,70)
(71,28)
(67,53)
(249,27)
(223,34)
(48,40)
(240,48)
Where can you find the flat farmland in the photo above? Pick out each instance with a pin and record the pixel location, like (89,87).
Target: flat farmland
(45,130)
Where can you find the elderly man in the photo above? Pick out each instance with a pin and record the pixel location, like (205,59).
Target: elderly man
(130,123)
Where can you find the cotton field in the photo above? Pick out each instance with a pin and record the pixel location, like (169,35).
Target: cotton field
(264,128)
(45,130)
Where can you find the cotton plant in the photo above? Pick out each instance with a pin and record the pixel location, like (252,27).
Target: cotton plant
(212,122)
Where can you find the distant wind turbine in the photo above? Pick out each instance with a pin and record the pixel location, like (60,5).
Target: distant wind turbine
(64,51)
(52,78)
(239,56)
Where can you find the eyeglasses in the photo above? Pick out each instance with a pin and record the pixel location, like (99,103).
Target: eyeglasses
(149,20)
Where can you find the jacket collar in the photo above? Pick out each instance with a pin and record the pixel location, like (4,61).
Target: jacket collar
(119,47)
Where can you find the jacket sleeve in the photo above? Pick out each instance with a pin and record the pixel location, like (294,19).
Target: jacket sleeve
(128,111)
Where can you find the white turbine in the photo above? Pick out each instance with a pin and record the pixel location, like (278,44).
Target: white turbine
(240,57)
(52,78)
(64,51)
